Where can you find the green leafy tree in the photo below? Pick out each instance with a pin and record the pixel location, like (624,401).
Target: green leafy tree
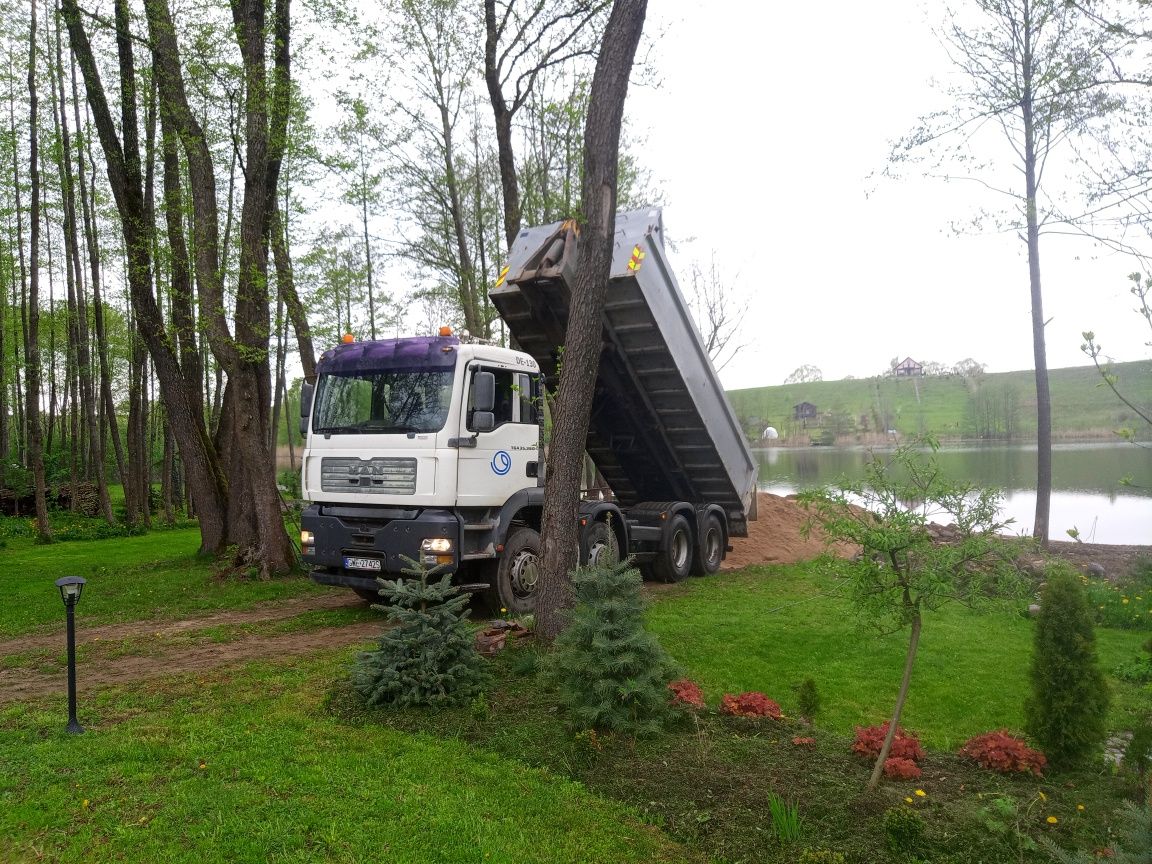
(1066,711)
(429,656)
(903,570)
(612,673)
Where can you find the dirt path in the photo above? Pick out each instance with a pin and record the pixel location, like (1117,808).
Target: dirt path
(19,684)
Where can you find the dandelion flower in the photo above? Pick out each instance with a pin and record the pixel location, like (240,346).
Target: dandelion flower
(1043,797)
(1051,820)
(1080,807)
(920,793)
(907,800)
(84,803)
(203,765)
(1125,601)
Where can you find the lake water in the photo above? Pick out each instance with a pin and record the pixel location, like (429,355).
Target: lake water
(1086,490)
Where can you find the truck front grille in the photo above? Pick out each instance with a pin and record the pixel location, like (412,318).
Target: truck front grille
(382,475)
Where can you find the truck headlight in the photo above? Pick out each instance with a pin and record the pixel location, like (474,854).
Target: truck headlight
(307,541)
(436,544)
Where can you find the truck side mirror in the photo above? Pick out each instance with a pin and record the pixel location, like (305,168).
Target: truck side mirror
(307,388)
(483,421)
(483,393)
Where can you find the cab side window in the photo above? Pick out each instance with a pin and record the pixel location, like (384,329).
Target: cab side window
(516,397)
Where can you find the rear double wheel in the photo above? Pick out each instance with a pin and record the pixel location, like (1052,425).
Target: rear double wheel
(710,550)
(674,562)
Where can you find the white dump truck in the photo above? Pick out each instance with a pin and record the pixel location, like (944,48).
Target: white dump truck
(431,448)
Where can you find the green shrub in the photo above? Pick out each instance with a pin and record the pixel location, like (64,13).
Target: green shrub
(612,674)
(787,826)
(429,657)
(808,699)
(903,830)
(1066,711)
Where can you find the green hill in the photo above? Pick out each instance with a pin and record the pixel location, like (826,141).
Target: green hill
(987,406)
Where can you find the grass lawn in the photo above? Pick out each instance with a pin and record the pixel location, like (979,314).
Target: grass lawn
(244,766)
(155,575)
(768,628)
(276,761)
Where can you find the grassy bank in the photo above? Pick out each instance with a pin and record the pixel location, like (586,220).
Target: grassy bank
(1000,404)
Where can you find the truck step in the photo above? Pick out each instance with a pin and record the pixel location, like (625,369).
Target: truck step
(481,526)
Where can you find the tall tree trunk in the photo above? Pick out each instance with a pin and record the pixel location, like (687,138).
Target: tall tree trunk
(123,162)
(286,285)
(110,427)
(32,349)
(583,339)
(502,114)
(1039,351)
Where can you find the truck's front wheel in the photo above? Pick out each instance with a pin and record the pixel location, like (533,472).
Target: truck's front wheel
(517,574)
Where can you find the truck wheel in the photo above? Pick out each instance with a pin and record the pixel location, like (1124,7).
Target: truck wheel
(603,547)
(517,574)
(675,562)
(710,550)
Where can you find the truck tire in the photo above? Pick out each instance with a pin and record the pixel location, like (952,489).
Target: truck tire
(675,561)
(513,592)
(602,545)
(710,549)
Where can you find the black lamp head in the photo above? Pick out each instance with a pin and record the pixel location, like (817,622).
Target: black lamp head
(71,587)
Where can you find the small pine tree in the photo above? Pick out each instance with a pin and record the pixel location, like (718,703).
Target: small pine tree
(1066,712)
(429,657)
(612,673)
(808,700)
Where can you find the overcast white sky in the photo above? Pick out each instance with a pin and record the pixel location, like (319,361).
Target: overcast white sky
(762,134)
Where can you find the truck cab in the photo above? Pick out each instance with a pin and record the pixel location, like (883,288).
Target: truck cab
(415,450)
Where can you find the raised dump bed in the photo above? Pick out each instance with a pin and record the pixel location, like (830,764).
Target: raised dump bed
(661,427)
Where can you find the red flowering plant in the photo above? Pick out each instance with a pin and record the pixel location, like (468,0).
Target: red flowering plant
(804,741)
(999,751)
(869,740)
(896,768)
(686,694)
(750,705)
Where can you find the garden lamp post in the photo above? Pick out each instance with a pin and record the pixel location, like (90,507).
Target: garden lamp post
(71,587)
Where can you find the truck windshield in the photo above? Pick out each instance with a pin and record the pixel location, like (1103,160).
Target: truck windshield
(383,402)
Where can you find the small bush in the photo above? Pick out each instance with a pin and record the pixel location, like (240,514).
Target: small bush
(869,740)
(429,657)
(1068,705)
(807,699)
(686,694)
(750,705)
(897,768)
(611,672)
(903,829)
(999,751)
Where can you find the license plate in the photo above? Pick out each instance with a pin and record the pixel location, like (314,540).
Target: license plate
(362,564)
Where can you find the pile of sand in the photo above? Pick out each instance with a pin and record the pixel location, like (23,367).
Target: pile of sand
(776,536)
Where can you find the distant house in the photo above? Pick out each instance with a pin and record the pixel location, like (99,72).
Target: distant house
(909,368)
(804,411)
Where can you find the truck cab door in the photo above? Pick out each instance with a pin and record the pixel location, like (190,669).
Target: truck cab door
(504,459)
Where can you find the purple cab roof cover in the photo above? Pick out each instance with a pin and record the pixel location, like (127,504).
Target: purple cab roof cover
(414,352)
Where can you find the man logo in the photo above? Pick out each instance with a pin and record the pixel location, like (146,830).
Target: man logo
(501,463)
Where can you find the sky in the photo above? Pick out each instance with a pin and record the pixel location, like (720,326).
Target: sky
(767,131)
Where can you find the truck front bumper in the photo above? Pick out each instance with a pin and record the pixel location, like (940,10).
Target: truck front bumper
(344,535)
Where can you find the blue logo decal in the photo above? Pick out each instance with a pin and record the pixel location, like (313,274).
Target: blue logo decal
(501,463)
